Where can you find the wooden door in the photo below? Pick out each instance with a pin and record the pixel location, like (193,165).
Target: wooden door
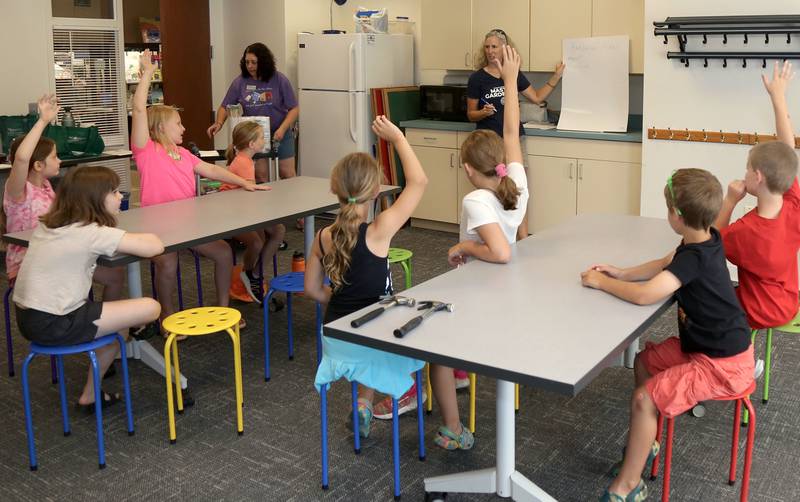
(551,183)
(186,53)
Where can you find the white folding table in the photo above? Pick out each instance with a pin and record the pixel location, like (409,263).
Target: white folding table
(189,222)
(529,321)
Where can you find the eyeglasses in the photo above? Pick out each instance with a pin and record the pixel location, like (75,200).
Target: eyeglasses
(672,194)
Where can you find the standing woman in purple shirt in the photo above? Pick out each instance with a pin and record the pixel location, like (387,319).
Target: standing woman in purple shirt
(264,91)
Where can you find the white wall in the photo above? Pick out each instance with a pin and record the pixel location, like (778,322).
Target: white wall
(25,57)
(714,98)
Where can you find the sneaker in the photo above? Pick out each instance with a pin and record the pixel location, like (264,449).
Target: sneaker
(283,246)
(638,494)
(759,369)
(449,440)
(253,285)
(462,379)
(407,402)
(242,324)
(364,418)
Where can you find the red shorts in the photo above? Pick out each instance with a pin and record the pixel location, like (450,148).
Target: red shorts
(680,380)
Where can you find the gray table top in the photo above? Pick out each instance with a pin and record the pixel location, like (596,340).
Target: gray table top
(189,222)
(530,321)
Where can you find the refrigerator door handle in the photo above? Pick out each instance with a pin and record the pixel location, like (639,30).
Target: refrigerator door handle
(351,77)
(351,112)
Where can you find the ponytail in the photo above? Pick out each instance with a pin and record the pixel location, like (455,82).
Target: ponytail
(354,180)
(484,151)
(230,154)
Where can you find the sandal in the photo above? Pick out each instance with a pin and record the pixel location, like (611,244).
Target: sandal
(108,400)
(145,332)
(638,494)
(449,440)
(654,449)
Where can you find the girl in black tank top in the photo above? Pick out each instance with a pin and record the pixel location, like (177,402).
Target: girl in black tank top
(365,281)
(352,254)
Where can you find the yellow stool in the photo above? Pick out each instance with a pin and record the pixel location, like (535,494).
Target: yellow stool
(472,379)
(196,322)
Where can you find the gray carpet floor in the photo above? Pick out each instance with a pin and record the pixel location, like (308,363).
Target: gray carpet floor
(565,445)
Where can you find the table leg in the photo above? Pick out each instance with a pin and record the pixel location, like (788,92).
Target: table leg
(502,479)
(308,233)
(141,349)
(630,353)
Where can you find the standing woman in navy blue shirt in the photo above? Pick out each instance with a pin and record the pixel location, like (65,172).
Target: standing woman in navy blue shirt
(264,91)
(486,94)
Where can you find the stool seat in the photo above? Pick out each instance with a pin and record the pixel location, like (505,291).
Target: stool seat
(201,320)
(399,254)
(62,350)
(792,326)
(291,282)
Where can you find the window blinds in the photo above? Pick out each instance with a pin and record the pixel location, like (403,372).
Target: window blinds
(87,69)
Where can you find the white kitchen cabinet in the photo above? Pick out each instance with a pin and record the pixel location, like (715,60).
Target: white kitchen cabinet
(621,17)
(438,153)
(446,35)
(551,21)
(569,177)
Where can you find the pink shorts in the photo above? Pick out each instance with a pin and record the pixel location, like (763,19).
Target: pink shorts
(680,380)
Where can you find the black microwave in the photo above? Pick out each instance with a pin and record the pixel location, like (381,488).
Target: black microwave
(443,102)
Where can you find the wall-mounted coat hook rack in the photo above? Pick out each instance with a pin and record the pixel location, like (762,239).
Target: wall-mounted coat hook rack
(703,136)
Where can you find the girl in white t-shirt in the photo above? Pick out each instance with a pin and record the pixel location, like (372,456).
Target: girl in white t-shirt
(56,274)
(490,217)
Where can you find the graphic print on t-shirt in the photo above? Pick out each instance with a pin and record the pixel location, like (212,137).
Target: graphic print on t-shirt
(496,92)
(258,96)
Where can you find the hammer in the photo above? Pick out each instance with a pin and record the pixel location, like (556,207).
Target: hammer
(389,302)
(432,306)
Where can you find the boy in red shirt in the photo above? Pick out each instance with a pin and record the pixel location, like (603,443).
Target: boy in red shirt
(763,244)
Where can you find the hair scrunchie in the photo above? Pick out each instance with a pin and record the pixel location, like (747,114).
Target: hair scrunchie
(351,200)
(501,170)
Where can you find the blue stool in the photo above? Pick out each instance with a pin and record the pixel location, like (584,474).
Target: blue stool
(289,283)
(10,343)
(357,440)
(58,352)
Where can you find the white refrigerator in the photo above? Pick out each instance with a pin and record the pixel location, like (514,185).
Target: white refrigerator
(335,74)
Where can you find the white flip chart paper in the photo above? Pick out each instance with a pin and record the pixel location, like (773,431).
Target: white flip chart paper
(594,95)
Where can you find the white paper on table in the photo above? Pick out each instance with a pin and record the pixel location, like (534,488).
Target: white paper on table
(594,94)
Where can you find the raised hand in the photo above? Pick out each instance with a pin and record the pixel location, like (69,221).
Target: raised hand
(146,64)
(509,67)
(781,75)
(385,129)
(559,71)
(48,108)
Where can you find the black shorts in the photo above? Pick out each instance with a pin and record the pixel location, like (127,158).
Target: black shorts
(49,329)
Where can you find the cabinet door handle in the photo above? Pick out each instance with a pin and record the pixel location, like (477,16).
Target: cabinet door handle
(580,170)
(466,60)
(571,170)
(428,138)
(451,160)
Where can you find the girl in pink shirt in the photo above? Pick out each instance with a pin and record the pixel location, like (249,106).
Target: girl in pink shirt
(167,174)
(29,195)
(248,138)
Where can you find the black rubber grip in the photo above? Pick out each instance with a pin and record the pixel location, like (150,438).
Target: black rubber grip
(405,328)
(366,317)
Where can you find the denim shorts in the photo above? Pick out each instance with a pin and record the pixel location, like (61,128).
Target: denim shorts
(286,148)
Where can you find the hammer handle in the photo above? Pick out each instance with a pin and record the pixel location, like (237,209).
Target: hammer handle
(366,317)
(405,328)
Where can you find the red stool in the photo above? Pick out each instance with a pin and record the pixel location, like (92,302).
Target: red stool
(748,456)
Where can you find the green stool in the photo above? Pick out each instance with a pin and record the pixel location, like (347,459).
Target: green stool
(403,257)
(792,326)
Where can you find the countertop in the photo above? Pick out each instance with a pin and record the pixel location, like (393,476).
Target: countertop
(632,136)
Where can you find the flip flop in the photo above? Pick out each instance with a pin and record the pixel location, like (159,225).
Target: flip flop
(108,400)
